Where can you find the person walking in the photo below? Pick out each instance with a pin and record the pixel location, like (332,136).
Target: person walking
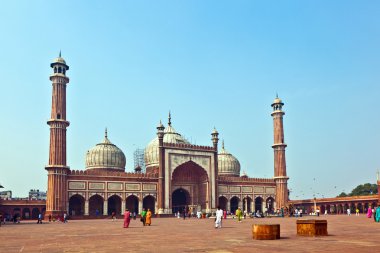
(218,219)
(357,211)
(239,214)
(65,218)
(148,219)
(127,218)
(369,212)
(377,214)
(39,219)
(224,214)
(143,216)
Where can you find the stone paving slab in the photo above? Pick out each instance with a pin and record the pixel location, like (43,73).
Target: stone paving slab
(346,233)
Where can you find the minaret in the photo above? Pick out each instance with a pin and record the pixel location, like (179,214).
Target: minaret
(279,146)
(215,139)
(161,169)
(56,201)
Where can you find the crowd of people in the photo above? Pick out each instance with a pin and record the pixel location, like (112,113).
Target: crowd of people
(220,214)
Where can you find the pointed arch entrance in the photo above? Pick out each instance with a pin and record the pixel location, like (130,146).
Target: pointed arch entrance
(132,204)
(259,204)
(269,205)
(234,204)
(25,213)
(247,204)
(149,203)
(114,205)
(35,213)
(180,200)
(223,202)
(96,205)
(194,182)
(76,205)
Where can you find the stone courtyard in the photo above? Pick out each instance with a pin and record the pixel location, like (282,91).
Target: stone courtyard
(346,233)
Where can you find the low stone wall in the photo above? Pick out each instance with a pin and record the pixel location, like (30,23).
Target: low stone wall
(266,231)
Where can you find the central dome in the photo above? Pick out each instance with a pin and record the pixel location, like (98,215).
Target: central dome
(151,151)
(105,155)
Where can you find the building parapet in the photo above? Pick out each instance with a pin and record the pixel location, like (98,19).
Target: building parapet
(244,179)
(188,146)
(374,197)
(113,173)
(22,202)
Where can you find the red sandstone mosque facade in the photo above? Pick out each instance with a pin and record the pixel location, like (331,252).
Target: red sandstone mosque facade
(178,173)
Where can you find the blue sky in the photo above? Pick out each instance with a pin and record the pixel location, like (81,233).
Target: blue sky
(212,63)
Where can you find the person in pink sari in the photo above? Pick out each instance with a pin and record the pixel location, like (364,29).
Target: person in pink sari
(369,212)
(127,218)
(224,214)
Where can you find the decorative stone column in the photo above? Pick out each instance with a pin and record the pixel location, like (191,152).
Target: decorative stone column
(86,205)
(228,206)
(140,205)
(105,207)
(122,207)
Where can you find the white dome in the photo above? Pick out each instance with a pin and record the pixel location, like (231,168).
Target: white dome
(228,165)
(105,155)
(151,151)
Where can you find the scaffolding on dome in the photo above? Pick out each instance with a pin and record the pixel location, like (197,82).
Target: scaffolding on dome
(138,157)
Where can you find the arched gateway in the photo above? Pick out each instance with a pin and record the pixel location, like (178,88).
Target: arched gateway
(190,186)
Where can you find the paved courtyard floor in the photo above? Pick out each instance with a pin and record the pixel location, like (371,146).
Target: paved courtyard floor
(346,234)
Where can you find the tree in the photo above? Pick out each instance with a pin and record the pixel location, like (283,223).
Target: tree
(364,189)
(361,190)
(343,194)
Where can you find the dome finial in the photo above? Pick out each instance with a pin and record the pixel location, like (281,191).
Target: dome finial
(170,119)
(106,133)
(59,53)
(276,94)
(222,144)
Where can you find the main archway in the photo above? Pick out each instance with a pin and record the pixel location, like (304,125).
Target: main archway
(194,179)
(180,200)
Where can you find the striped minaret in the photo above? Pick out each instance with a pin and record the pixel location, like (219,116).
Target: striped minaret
(56,201)
(279,146)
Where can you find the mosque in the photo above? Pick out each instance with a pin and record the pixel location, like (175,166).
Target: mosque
(178,174)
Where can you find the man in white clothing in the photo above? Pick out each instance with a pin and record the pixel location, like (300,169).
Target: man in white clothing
(218,219)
